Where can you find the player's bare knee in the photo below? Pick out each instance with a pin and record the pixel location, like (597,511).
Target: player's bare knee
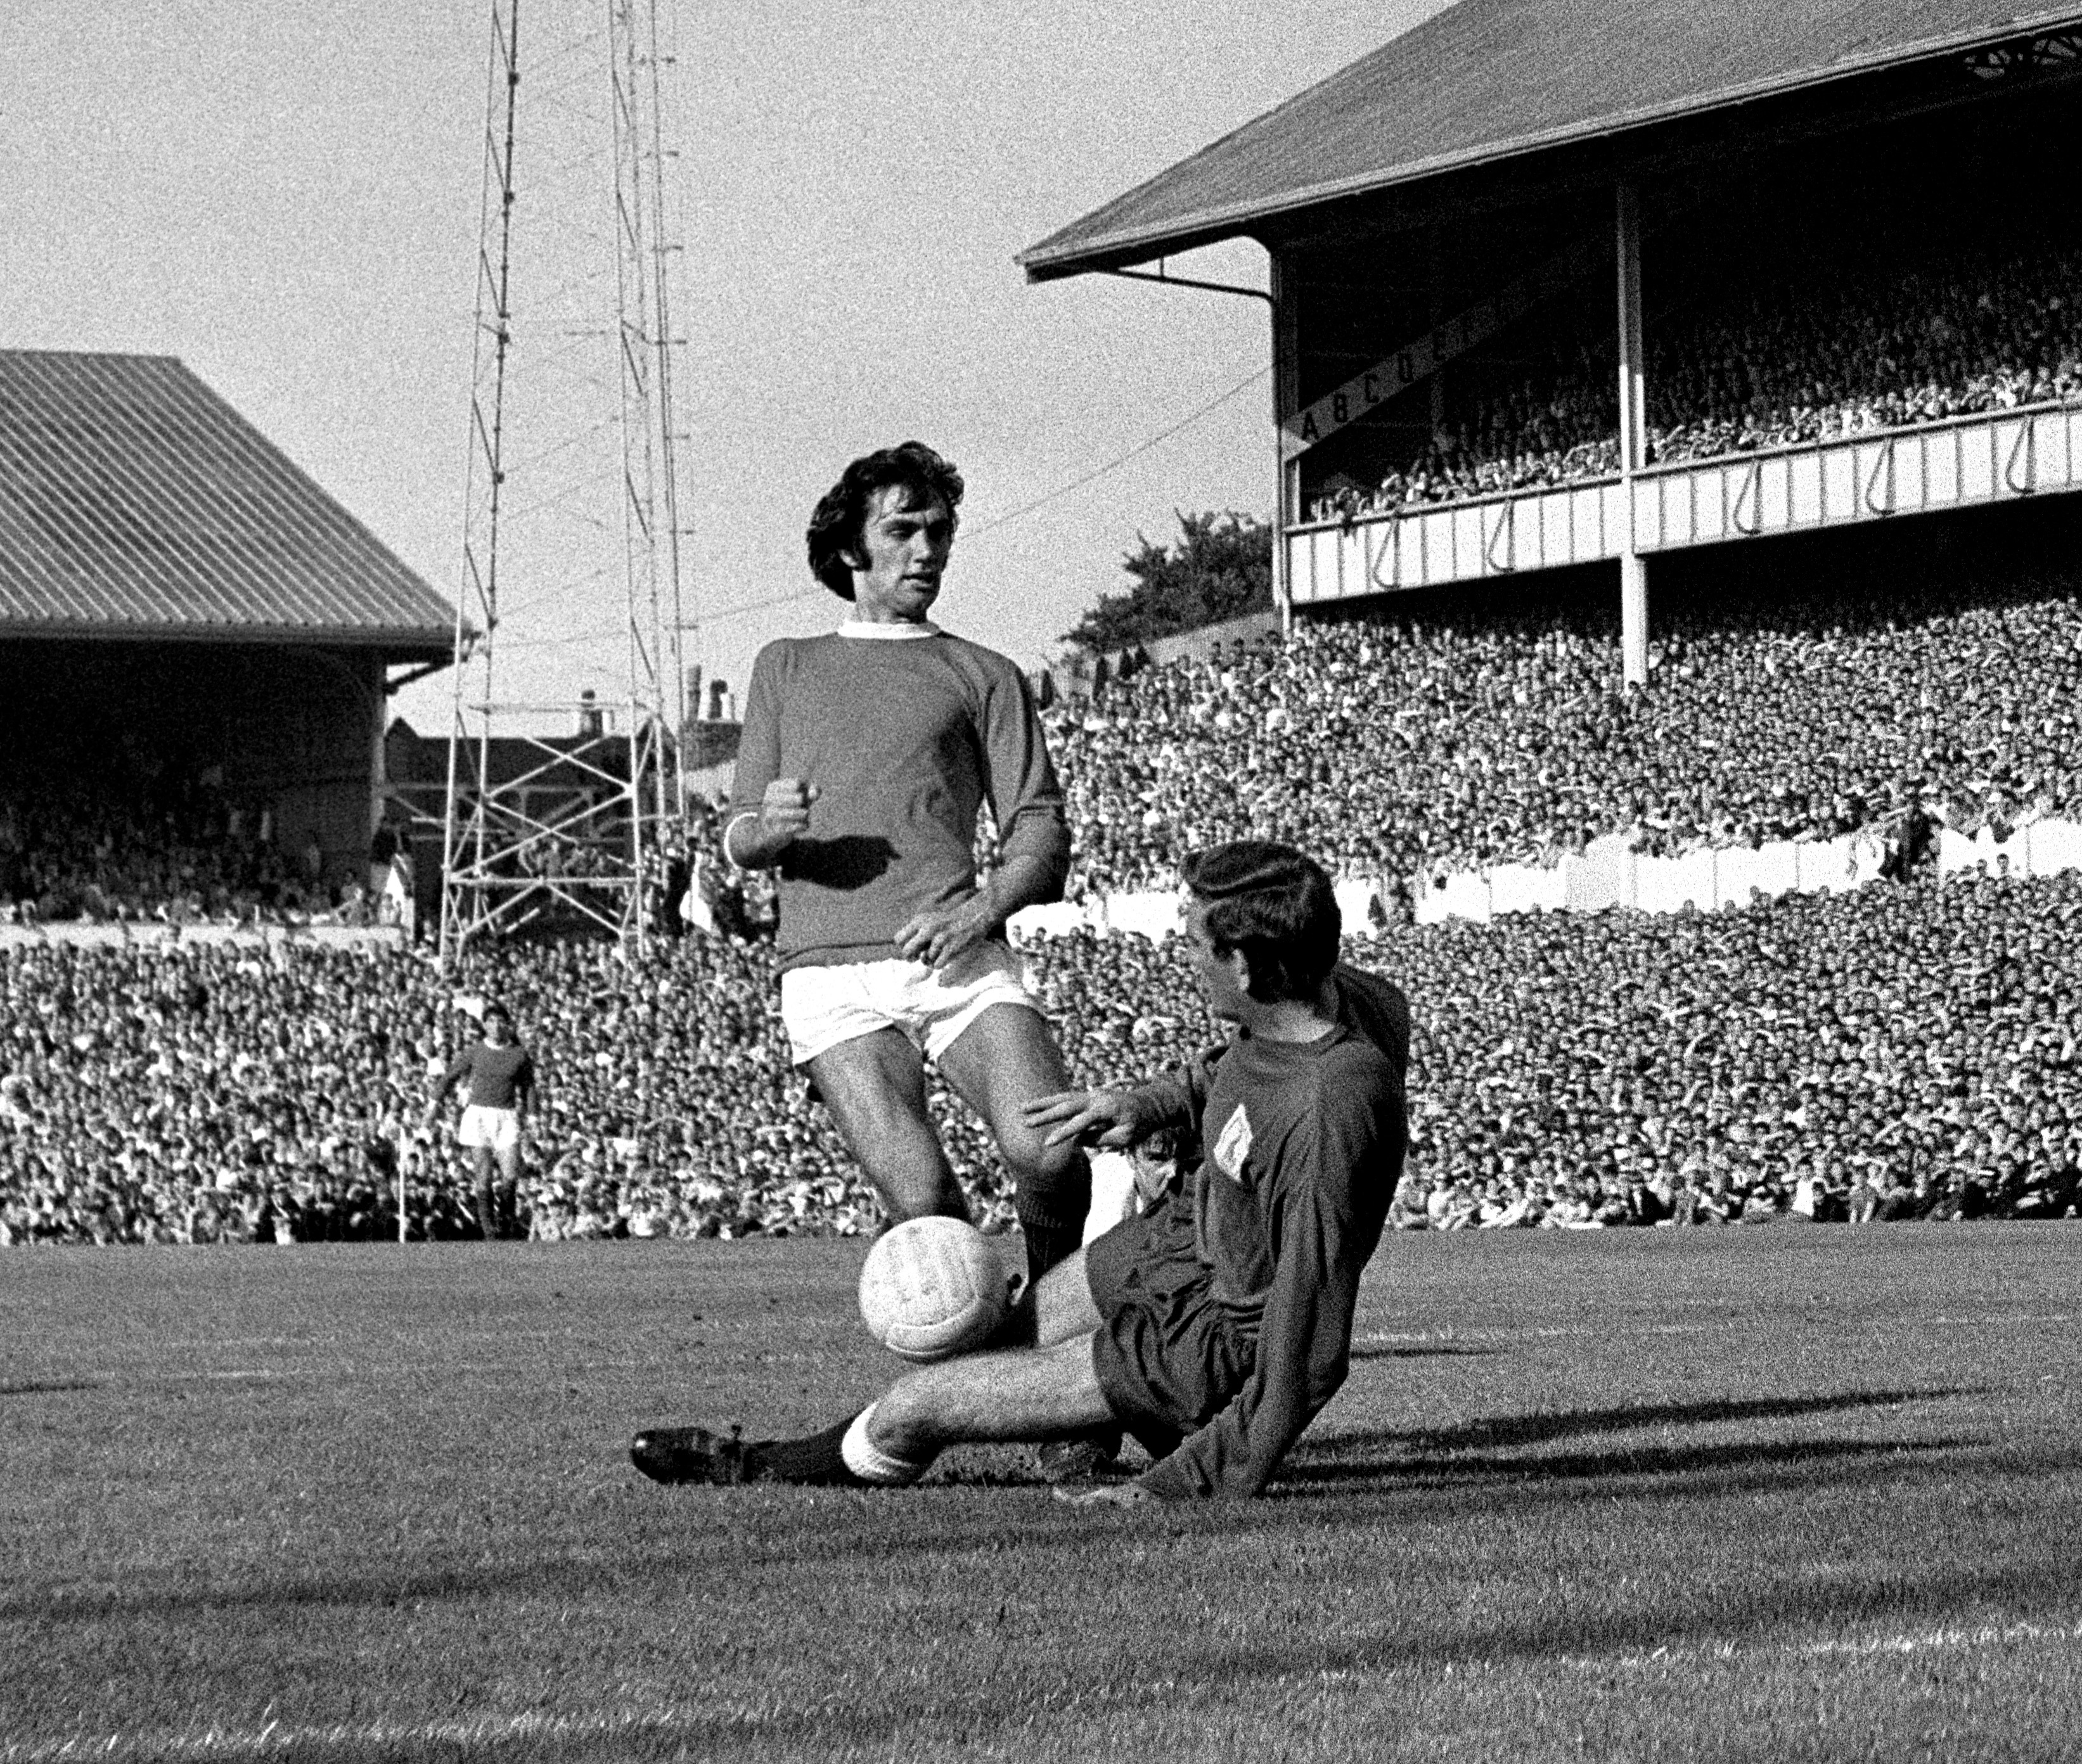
(901,1424)
(1062,1303)
(1033,1160)
(919,1194)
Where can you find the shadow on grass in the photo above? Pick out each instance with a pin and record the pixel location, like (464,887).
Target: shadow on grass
(49,1388)
(1543,1426)
(744,1529)
(1424,1354)
(1706,1463)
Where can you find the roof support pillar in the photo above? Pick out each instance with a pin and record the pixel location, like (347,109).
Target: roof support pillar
(1437,317)
(1286,398)
(1633,435)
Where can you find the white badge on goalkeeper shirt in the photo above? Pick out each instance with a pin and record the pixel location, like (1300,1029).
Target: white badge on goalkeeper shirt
(1233,1147)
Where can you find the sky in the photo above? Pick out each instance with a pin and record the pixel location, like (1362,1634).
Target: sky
(287,197)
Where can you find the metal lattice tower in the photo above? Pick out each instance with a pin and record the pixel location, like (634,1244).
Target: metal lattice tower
(569,808)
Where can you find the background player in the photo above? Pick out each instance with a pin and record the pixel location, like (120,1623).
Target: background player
(1216,1325)
(500,1074)
(865,757)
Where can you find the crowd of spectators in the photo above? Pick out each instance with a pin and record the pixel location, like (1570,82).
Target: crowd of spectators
(97,850)
(1771,363)
(80,850)
(1908,1051)
(1421,746)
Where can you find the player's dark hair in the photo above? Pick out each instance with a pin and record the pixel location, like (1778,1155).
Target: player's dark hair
(835,528)
(1276,905)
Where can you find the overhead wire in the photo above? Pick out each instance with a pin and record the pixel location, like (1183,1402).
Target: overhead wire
(1006,519)
(1025,509)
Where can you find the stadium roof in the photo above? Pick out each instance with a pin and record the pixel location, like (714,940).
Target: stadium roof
(1485,79)
(135,503)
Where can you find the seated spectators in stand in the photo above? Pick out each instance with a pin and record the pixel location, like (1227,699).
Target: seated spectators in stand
(1802,359)
(1907,1052)
(103,852)
(1425,746)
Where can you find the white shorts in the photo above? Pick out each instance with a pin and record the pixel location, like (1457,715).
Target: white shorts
(499,1128)
(821,1007)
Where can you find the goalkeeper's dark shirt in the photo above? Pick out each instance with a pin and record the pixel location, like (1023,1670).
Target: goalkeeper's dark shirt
(1302,1146)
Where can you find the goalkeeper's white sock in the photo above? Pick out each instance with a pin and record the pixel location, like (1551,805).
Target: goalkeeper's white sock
(869,1463)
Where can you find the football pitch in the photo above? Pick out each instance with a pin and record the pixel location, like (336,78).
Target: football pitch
(1774,1493)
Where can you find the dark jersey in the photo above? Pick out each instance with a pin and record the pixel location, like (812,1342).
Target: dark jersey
(497,1075)
(1303,1145)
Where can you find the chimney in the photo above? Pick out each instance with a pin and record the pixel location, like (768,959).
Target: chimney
(589,716)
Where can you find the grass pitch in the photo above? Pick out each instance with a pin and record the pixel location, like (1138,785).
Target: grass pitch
(1777,1493)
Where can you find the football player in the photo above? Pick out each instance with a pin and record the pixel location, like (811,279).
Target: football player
(1216,1324)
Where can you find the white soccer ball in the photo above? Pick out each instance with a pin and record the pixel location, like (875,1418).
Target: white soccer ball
(933,1288)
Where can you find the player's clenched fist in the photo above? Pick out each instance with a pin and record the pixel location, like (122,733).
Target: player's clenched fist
(756,839)
(784,811)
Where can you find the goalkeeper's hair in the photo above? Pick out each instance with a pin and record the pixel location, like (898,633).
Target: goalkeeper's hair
(1276,905)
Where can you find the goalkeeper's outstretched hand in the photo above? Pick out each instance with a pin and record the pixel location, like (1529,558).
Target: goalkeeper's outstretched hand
(1114,1118)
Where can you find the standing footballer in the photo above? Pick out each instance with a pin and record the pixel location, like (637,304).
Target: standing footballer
(865,757)
(499,1074)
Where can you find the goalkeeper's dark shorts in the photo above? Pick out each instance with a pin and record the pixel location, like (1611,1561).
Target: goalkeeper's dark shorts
(1169,1358)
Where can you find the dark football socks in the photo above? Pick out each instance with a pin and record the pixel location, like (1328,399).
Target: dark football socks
(841,1456)
(1052,1219)
(1048,1244)
(816,1458)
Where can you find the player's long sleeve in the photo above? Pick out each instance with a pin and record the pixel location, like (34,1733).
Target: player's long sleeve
(758,748)
(1323,1221)
(1179,1098)
(1026,799)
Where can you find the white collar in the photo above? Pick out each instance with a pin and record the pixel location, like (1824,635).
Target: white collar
(886,634)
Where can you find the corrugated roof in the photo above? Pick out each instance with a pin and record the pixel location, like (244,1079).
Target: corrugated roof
(134,502)
(1489,77)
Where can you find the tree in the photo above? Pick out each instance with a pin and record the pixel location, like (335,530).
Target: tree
(1220,567)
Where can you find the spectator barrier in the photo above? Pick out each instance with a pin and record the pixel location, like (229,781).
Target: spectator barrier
(1966,462)
(2041,848)
(1610,873)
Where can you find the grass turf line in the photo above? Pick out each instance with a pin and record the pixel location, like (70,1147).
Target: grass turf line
(1801,1493)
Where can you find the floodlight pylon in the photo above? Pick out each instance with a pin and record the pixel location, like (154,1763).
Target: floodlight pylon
(571,809)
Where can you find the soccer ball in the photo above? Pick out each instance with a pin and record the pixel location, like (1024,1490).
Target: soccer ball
(931,1288)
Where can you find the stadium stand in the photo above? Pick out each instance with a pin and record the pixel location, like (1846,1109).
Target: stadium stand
(1402,746)
(195,642)
(1837,348)
(1908,1052)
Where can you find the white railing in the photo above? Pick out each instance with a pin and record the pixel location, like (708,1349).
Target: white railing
(1960,462)
(1609,874)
